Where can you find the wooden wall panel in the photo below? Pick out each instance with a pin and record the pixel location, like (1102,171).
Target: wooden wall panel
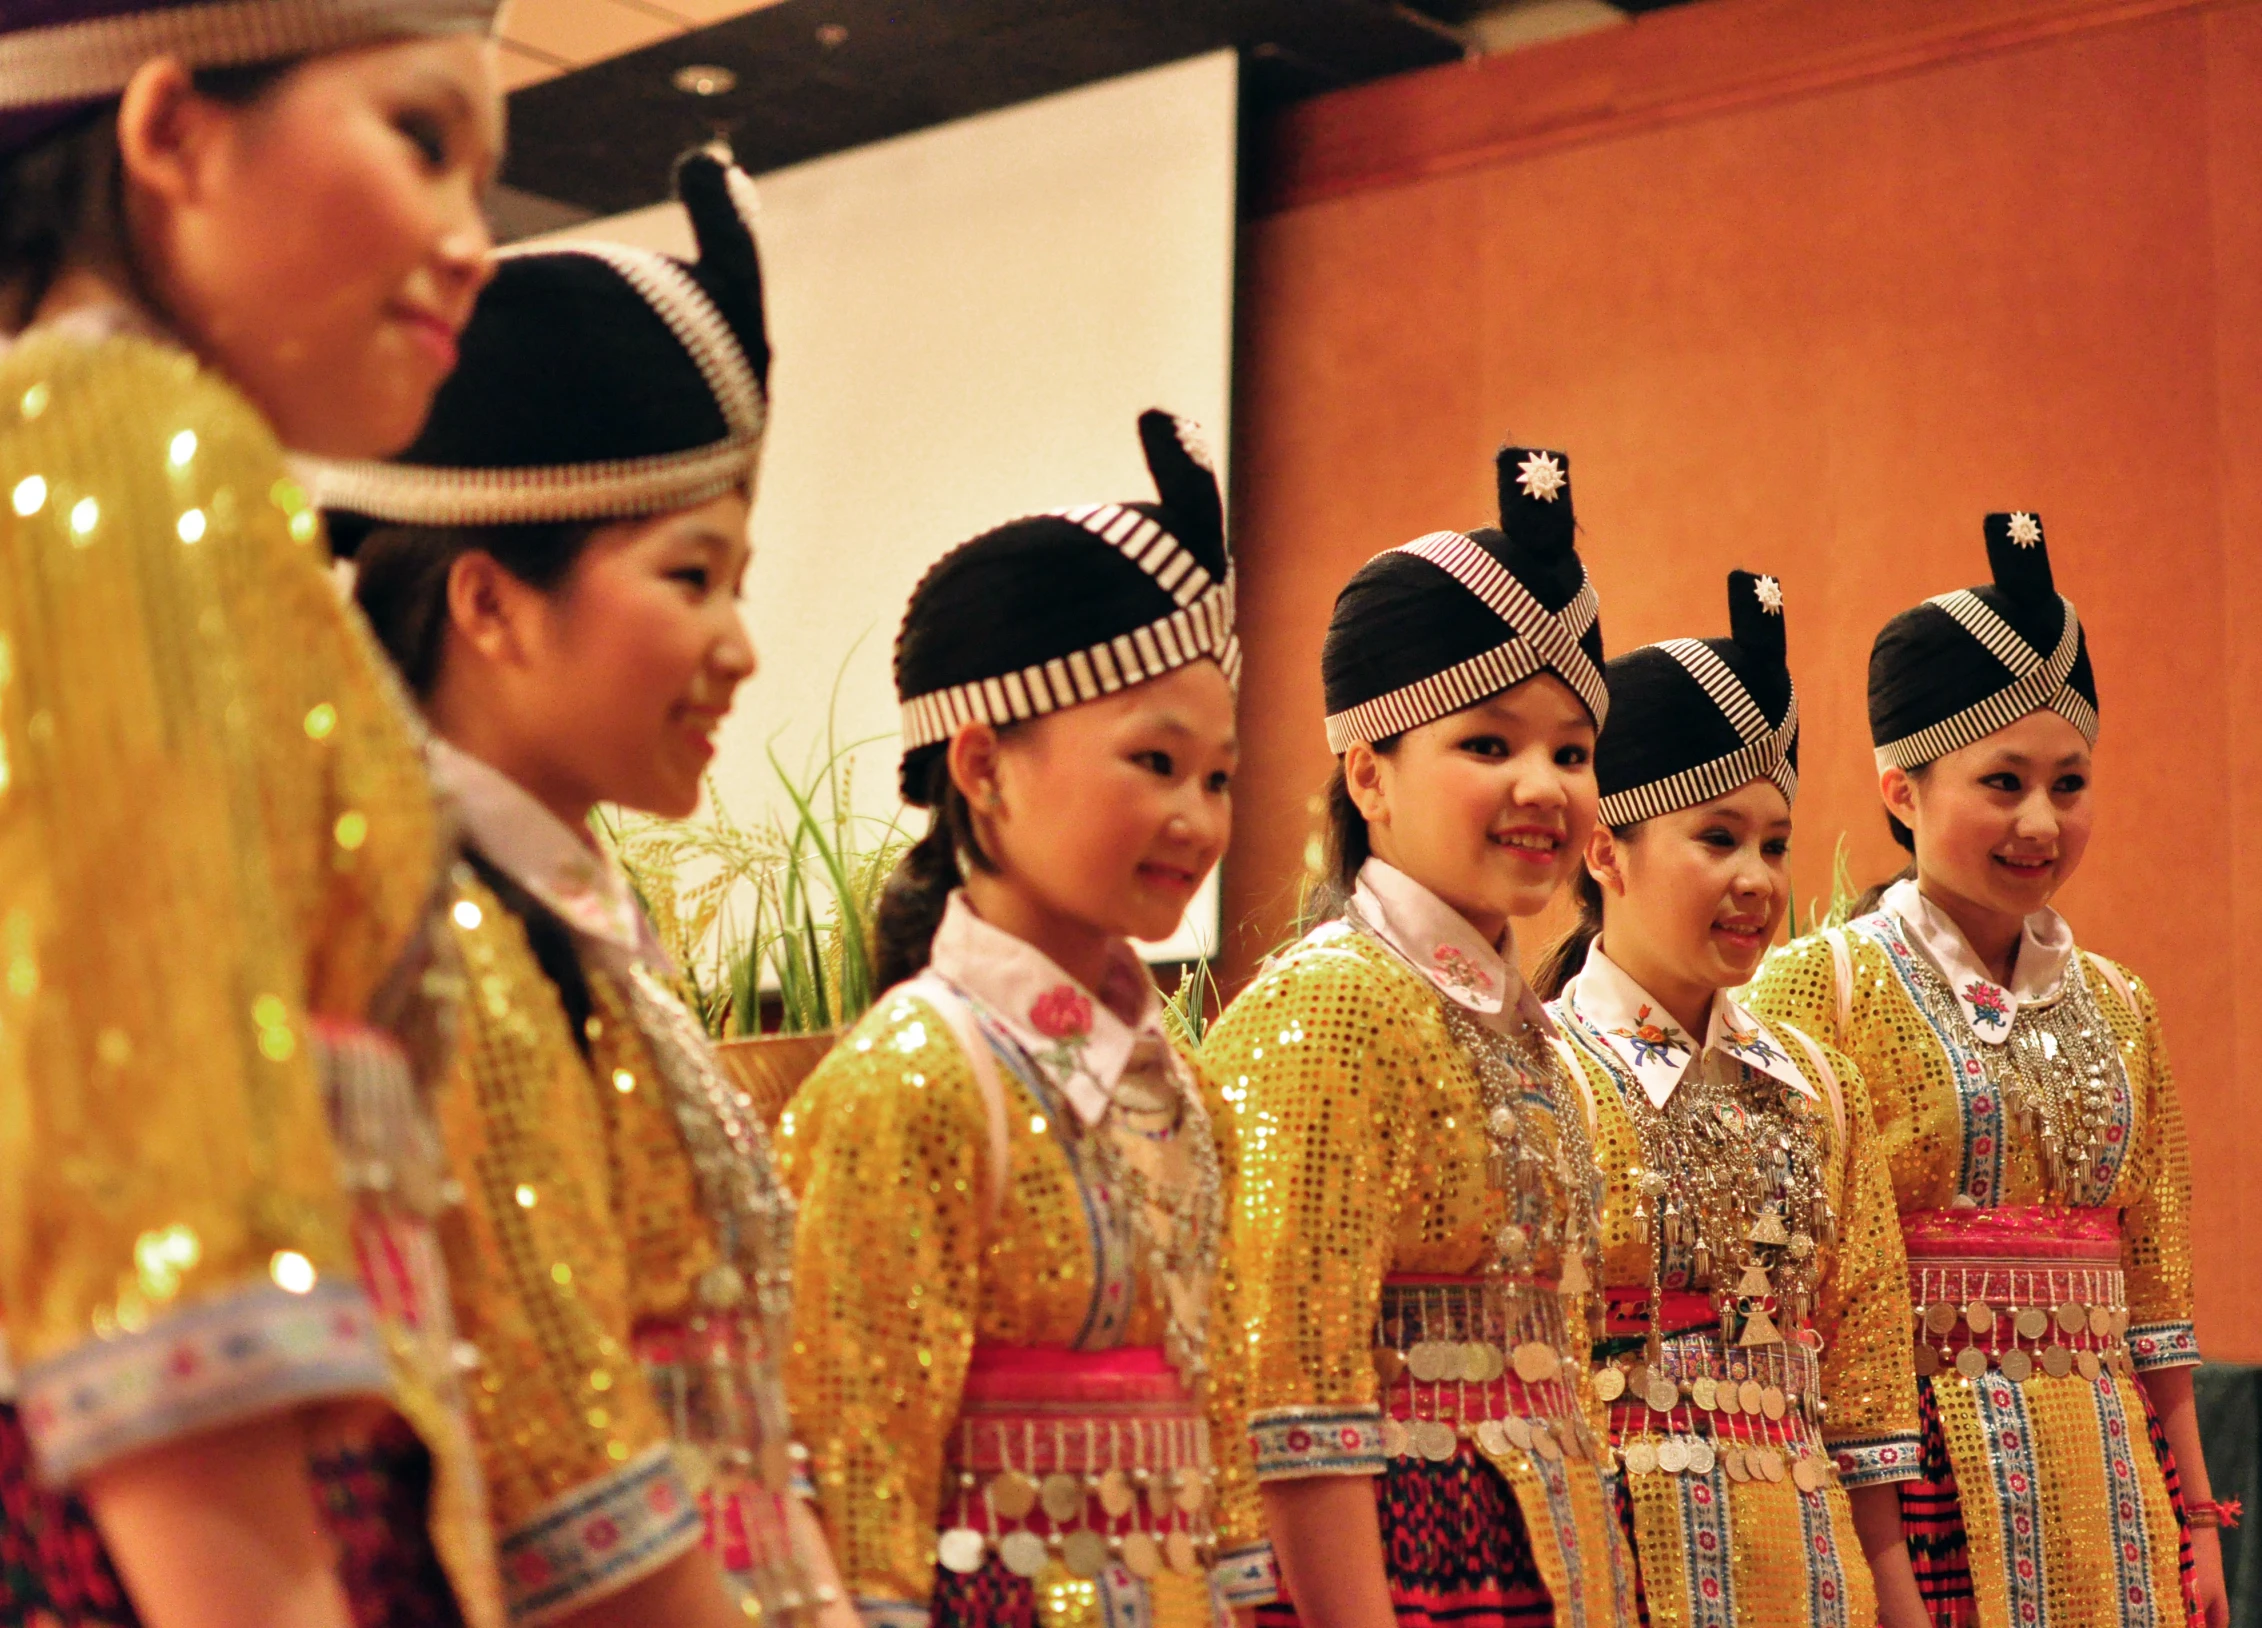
(1820,332)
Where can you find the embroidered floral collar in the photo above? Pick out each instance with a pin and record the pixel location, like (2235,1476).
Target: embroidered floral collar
(1657,1050)
(1438,942)
(2045,948)
(1083,1040)
(560,866)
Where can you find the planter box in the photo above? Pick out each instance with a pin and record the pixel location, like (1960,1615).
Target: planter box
(771,1067)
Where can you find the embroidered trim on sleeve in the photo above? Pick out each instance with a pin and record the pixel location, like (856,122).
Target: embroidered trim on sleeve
(1247,1576)
(1872,1461)
(2163,1345)
(1293,1442)
(599,1538)
(251,1351)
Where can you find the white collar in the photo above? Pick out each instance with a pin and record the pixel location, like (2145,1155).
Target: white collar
(1085,1041)
(1656,1050)
(1438,942)
(2046,947)
(579,883)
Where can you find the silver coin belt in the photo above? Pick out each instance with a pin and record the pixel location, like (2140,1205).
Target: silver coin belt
(1753,1414)
(2020,1318)
(1464,1360)
(1087,1488)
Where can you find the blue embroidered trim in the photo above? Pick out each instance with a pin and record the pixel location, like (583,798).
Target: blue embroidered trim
(253,1350)
(1107,1220)
(1247,1576)
(1825,1567)
(1293,1442)
(1871,1461)
(600,1538)
(893,1613)
(2131,1545)
(2163,1345)
(1979,1104)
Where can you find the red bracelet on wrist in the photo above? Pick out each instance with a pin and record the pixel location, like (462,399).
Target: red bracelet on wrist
(2202,1515)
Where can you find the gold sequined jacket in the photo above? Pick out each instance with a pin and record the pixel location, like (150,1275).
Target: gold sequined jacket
(1940,1115)
(216,853)
(1859,1313)
(910,1253)
(586,1255)
(1365,1158)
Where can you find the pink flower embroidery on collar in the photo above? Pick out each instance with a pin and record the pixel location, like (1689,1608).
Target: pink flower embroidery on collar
(1989,1005)
(1063,1012)
(1456,968)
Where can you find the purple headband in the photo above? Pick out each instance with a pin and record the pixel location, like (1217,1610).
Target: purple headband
(58,58)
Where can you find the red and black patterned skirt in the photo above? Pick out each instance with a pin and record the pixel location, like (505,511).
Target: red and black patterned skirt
(1453,1539)
(54,1572)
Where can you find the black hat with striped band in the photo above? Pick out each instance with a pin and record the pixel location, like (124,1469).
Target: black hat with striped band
(1051,611)
(61,57)
(1694,719)
(597,382)
(1962,665)
(1452,619)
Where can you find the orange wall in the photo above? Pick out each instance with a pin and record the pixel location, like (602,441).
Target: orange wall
(1808,287)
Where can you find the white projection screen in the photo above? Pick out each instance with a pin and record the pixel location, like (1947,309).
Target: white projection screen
(967,322)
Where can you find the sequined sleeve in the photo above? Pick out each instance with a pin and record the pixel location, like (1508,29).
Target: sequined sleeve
(173,1237)
(582,1481)
(1862,1309)
(1315,1058)
(2156,1227)
(886,1148)
(1245,1570)
(1798,985)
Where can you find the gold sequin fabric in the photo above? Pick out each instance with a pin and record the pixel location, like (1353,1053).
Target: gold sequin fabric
(1365,1161)
(584,1260)
(2063,1502)
(907,1257)
(215,837)
(1753,1527)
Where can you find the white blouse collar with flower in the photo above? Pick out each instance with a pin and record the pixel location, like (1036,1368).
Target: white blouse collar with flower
(1438,942)
(563,868)
(2046,947)
(1084,1040)
(1656,1050)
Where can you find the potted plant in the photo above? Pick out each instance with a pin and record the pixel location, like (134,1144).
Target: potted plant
(770,923)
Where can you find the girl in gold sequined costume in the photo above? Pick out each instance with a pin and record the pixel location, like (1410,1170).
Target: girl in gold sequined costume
(1758,1370)
(218,1277)
(1012,1185)
(1414,1255)
(2027,1112)
(555,567)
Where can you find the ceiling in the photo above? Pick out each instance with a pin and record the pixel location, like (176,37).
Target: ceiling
(597,115)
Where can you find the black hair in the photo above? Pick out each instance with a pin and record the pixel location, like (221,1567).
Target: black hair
(1563,958)
(1347,843)
(62,199)
(912,903)
(401,581)
(1870,897)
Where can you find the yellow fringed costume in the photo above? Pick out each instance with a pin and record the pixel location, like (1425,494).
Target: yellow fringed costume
(1002,1272)
(2037,1301)
(1740,1511)
(1381,1338)
(217,855)
(627,1361)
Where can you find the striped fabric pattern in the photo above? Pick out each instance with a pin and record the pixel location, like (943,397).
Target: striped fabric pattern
(1201,627)
(68,62)
(1764,755)
(2038,681)
(1540,640)
(428,495)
